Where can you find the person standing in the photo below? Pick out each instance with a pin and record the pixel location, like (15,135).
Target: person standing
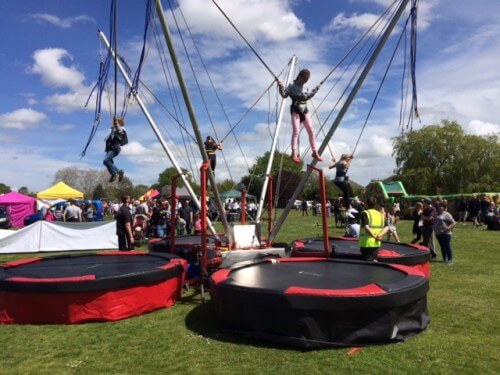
(473,208)
(374,228)
(428,215)
(186,213)
(300,113)
(443,225)
(417,222)
(72,213)
(462,210)
(303,207)
(116,138)
(124,226)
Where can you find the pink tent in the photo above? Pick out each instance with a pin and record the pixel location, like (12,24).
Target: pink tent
(20,207)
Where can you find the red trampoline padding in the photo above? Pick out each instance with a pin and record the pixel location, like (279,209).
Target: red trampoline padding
(95,306)
(220,275)
(424,268)
(388,254)
(408,270)
(298,259)
(21,262)
(73,279)
(363,291)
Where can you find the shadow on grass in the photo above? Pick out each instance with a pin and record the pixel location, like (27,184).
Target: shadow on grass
(203,321)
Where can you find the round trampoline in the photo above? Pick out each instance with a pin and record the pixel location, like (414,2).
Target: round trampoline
(107,286)
(317,302)
(411,255)
(187,247)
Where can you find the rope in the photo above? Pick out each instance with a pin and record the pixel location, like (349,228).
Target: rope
(379,88)
(99,86)
(246,41)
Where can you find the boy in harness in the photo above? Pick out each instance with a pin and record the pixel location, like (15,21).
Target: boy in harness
(341,179)
(300,113)
(114,141)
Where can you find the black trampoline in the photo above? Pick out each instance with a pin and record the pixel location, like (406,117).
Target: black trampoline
(415,256)
(181,243)
(88,287)
(315,302)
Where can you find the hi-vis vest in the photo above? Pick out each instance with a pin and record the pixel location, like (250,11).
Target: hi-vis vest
(377,223)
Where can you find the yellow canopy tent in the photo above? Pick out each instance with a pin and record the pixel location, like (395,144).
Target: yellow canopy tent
(59,191)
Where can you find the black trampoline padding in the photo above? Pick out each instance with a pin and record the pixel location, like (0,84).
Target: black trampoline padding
(348,248)
(87,272)
(313,302)
(88,287)
(181,243)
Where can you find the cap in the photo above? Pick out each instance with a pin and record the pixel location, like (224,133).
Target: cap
(428,200)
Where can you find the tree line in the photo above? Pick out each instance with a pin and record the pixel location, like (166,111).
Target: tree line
(437,159)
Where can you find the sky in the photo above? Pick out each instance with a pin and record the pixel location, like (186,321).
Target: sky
(50,55)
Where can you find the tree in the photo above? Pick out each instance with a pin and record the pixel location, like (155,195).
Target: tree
(286,175)
(82,179)
(226,185)
(4,188)
(139,190)
(23,190)
(166,177)
(98,193)
(442,159)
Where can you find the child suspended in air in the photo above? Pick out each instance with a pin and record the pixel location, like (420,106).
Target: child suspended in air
(116,138)
(300,113)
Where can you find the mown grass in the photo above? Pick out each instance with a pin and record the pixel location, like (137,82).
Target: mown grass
(462,338)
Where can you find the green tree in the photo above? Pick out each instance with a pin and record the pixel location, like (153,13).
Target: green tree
(442,159)
(99,192)
(286,175)
(23,190)
(225,185)
(4,188)
(139,190)
(165,177)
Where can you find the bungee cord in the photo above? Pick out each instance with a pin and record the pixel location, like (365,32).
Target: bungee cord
(246,41)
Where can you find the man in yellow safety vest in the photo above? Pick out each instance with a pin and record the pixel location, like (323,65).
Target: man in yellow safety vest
(373,224)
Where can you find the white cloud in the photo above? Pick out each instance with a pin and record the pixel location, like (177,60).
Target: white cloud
(63,23)
(30,166)
(357,21)
(272,20)
(478,127)
(49,65)
(22,119)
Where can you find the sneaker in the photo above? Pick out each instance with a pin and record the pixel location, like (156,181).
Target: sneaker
(120,175)
(295,159)
(316,156)
(450,263)
(113,177)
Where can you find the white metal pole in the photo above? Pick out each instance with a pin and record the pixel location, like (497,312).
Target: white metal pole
(155,130)
(273,146)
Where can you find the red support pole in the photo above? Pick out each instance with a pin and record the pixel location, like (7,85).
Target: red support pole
(203,213)
(173,206)
(243,218)
(324,219)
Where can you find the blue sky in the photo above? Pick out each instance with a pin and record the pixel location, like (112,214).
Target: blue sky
(50,58)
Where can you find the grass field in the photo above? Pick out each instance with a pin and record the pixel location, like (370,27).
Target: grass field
(462,338)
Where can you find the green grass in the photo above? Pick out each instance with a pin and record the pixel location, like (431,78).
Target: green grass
(463,337)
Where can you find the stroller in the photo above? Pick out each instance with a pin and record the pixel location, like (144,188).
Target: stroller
(140,229)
